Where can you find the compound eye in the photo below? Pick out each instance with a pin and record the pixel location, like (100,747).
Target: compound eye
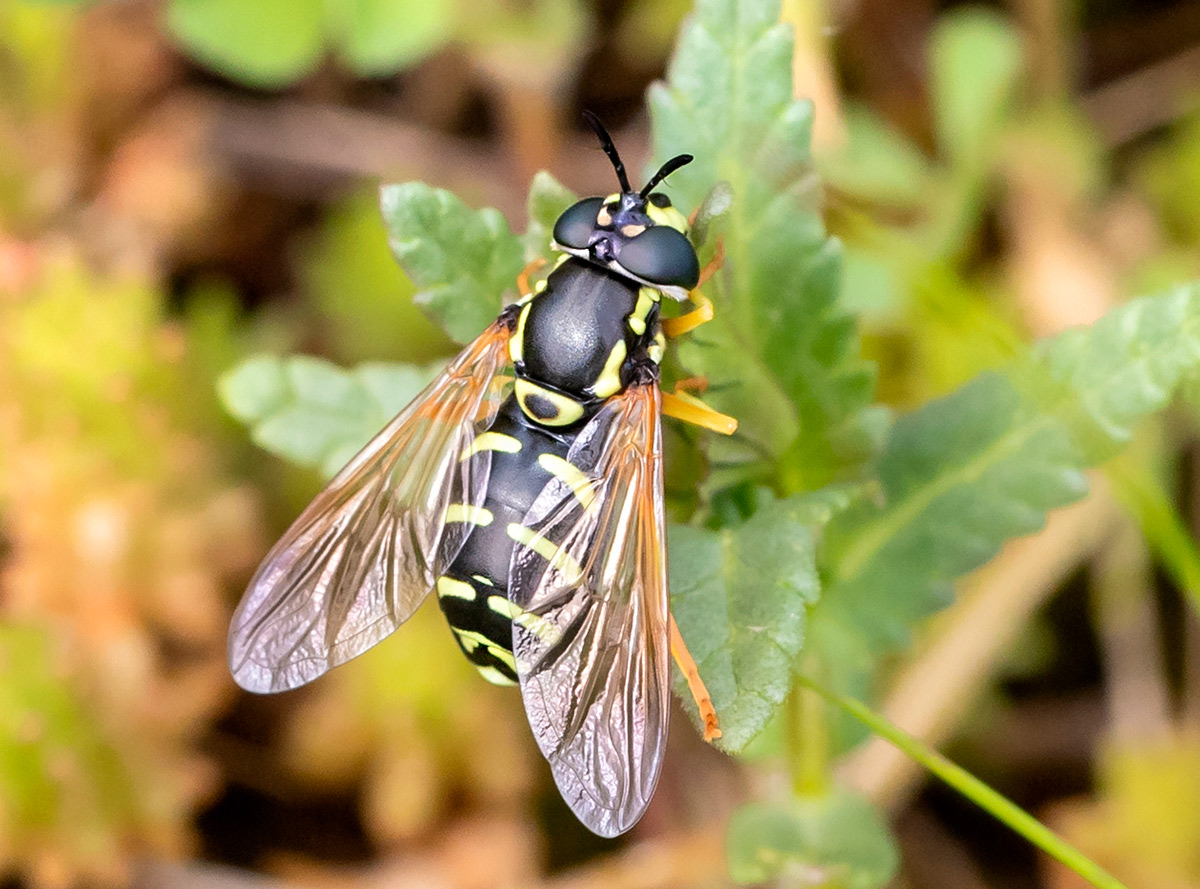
(575,226)
(662,255)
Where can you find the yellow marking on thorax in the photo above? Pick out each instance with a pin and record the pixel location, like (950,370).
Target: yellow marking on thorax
(658,348)
(609,381)
(548,550)
(463,512)
(566,410)
(516,343)
(648,297)
(491,441)
(456,589)
(571,476)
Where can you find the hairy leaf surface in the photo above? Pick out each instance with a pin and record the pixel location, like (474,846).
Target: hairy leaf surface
(462,260)
(740,596)
(314,413)
(968,472)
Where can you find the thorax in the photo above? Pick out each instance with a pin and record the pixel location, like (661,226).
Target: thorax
(575,339)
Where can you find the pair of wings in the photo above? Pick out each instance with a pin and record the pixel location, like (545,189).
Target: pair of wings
(591,645)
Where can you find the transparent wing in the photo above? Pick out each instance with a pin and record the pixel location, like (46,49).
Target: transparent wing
(365,553)
(592,647)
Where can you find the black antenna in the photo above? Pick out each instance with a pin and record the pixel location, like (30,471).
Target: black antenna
(680,160)
(606,143)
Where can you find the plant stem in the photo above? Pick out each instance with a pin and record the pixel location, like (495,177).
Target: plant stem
(1143,495)
(1000,807)
(807,742)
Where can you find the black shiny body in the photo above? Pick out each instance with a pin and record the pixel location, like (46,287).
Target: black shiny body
(568,337)
(573,326)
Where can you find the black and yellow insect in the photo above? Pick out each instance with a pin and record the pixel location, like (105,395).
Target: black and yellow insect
(532,502)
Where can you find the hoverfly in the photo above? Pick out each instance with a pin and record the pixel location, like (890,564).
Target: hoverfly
(532,503)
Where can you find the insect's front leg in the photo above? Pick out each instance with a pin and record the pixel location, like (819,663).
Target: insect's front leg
(703,313)
(692,410)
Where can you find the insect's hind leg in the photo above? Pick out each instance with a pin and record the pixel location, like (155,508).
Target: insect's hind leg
(687,666)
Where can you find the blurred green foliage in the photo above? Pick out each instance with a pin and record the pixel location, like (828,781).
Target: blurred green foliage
(835,840)
(270,43)
(364,302)
(273,43)
(35,97)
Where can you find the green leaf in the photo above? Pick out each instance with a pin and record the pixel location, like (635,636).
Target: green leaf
(314,413)
(462,260)
(781,354)
(972,470)
(547,200)
(833,840)
(265,43)
(739,596)
(379,36)
(975,59)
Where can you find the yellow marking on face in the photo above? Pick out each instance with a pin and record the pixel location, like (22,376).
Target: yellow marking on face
(566,410)
(455,589)
(464,512)
(491,441)
(632,231)
(571,476)
(648,297)
(603,217)
(482,579)
(516,343)
(492,675)
(667,216)
(548,550)
(609,381)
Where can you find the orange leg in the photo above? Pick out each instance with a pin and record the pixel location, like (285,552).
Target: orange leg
(684,407)
(673,327)
(712,265)
(523,278)
(687,666)
(691,384)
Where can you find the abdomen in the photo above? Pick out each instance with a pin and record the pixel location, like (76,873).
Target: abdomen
(473,594)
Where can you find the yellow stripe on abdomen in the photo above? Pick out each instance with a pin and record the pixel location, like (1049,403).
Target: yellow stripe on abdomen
(548,550)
